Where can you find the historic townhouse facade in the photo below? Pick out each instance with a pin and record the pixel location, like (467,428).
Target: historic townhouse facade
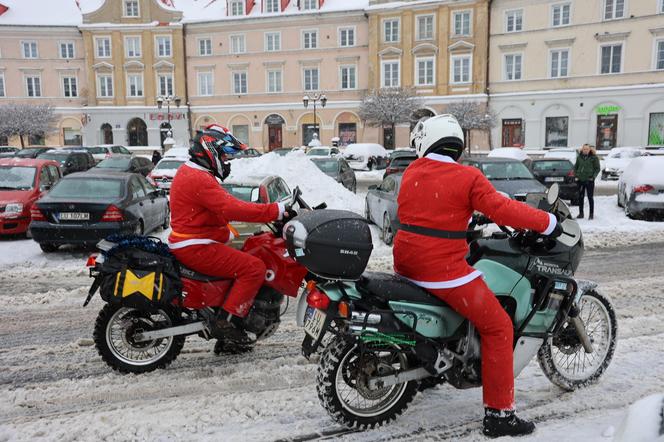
(440,48)
(568,72)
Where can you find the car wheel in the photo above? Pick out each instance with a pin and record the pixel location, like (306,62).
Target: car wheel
(604,176)
(48,248)
(388,232)
(167,219)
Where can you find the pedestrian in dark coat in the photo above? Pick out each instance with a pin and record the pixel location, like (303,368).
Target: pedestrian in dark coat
(156,157)
(586,169)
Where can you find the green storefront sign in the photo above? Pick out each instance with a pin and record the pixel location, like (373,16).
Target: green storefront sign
(607,109)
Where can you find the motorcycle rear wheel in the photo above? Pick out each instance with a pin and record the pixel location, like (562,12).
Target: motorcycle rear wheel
(564,360)
(337,369)
(113,332)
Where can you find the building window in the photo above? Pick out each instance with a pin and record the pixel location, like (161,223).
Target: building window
(239,83)
(104,86)
(391,30)
(69,88)
(661,6)
(33,86)
(311,79)
(2,85)
(36,140)
(205,84)
(67,49)
(461,68)
(424,71)
(348,77)
(103,47)
(659,55)
(462,23)
(131,8)
(164,47)
(559,63)
(205,47)
(346,37)
(236,7)
(135,85)
(165,85)
(309,39)
(424,29)
(513,66)
(556,131)
(133,47)
(611,59)
(272,41)
(241,132)
(309,4)
(271,6)
(560,14)
(514,20)
(391,74)
(30,49)
(656,131)
(614,9)
(237,44)
(274,81)
(71,136)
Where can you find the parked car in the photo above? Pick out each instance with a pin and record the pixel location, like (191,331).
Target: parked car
(381,206)
(22,182)
(163,173)
(124,163)
(566,153)
(399,163)
(617,161)
(513,153)
(177,152)
(323,152)
(552,170)
(104,151)
(84,208)
(255,189)
(511,177)
(70,160)
(362,156)
(283,151)
(338,169)
(246,153)
(400,152)
(6,151)
(641,188)
(30,152)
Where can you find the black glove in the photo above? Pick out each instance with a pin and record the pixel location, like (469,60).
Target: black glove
(289,213)
(557,231)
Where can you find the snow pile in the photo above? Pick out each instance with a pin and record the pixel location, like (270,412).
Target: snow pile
(644,421)
(511,153)
(364,150)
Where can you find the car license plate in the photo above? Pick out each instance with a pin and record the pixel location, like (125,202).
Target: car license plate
(314,320)
(554,179)
(74,216)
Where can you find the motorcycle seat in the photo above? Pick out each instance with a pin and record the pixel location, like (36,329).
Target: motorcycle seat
(391,287)
(188,273)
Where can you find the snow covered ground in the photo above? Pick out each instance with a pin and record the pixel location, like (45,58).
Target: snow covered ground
(54,386)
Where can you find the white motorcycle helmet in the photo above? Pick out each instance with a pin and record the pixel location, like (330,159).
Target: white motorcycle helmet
(441,134)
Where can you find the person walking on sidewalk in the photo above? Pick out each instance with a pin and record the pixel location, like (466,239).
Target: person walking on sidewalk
(586,169)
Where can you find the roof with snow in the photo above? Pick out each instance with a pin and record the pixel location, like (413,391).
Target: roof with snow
(70,12)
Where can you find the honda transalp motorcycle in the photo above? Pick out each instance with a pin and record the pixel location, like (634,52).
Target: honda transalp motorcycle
(387,338)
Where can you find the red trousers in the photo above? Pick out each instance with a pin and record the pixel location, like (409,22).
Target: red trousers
(226,262)
(476,302)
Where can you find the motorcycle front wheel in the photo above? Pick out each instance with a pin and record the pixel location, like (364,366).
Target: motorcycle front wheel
(343,389)
(563,359)
(113,335)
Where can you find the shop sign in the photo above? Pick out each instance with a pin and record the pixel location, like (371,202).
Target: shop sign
(608,109)
(158,116)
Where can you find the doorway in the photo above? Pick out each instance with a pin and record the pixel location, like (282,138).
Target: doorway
(274,134)
(137,132)
(607,131)
(513,132)
(388,137)
(106,134)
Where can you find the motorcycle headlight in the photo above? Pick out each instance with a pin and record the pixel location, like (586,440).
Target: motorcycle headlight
(13,209)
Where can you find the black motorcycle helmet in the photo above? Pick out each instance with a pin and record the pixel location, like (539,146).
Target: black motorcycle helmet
(209,149)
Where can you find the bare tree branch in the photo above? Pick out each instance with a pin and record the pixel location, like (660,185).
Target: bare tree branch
(26,119)
(389,106)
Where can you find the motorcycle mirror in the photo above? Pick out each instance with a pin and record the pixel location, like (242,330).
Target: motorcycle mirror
(552,194)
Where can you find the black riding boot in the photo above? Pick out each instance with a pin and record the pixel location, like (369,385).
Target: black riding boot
(499,423)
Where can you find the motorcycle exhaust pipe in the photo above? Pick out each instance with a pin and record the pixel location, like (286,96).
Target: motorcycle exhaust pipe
(583,336)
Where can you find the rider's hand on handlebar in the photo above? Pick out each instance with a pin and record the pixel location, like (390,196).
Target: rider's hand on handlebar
(289,213)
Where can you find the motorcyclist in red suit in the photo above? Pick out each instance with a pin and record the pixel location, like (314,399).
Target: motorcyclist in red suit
(201,210)
(437,193)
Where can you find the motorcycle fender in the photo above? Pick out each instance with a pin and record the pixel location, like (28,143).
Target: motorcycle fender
(583,286)
(525,349)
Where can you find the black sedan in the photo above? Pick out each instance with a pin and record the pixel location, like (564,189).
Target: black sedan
(509,176)
(246,153)
(338,169)
(125,163)
(561,171)
(31,152)
(381,206)
(84,208)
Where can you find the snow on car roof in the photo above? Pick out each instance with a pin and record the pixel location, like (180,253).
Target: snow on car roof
(365,149)
(513,153)
(644,170)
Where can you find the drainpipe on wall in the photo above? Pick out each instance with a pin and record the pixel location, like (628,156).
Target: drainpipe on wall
(488,64)
(186,79)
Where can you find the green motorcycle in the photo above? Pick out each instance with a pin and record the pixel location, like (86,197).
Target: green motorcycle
(385,339)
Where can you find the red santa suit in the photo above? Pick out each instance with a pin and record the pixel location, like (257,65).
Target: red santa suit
(200,212)
(438,193)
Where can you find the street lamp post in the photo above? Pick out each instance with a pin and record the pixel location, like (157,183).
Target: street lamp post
(168,99)
(315,99)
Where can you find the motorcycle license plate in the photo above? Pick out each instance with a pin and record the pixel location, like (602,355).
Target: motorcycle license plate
(74,216)
(554,179)
(314,320)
